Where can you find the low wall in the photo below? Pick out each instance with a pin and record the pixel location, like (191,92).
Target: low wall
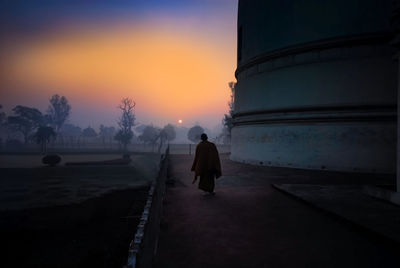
(143,247)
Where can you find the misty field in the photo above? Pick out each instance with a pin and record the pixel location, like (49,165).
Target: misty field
(26,183)
(71,216)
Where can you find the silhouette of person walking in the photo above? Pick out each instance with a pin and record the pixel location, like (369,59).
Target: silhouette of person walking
(206,164)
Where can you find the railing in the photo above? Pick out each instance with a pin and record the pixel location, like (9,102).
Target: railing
(143,247)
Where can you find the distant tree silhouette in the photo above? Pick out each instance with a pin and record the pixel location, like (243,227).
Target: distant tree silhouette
(194,133)
(58,111)
(227,121)
(140,128)
(150,135)
(126,122)
(106,134)
(89,132)
(168,133)
(123,138)
(25,120)
(2,123)
(43,136)
(71,132)
(2,115)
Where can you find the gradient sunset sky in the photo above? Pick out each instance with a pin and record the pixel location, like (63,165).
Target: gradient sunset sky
(174,58)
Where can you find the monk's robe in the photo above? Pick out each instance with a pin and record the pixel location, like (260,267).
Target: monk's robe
(207,165)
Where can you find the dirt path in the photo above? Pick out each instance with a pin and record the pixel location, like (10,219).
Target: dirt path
(250,224)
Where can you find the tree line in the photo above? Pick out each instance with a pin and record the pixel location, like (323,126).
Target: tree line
(32,124)
(42,128)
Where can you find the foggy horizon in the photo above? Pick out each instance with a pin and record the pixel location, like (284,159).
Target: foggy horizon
(109,117)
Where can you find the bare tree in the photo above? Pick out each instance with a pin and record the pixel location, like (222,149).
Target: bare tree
(126,122)
(58,111)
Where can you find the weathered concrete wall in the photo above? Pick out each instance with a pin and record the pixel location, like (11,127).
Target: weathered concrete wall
(336,146)
(316,89)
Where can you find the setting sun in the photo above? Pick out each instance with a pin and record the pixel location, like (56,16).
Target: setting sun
(166,70)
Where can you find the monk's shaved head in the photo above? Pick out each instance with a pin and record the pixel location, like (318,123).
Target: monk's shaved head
(204,137)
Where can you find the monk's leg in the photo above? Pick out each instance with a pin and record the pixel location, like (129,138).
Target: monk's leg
(203,185)
(211,181)
(207,182)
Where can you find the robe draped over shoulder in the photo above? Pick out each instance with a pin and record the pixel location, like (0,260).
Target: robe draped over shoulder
(206,159)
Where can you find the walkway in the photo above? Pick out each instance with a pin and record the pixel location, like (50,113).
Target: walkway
(250,224)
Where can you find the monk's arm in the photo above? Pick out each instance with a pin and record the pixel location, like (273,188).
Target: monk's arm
(195,159)
(194,165)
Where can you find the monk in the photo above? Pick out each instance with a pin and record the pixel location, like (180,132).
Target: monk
(206,164)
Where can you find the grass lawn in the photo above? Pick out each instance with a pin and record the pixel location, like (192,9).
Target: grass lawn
(71,216)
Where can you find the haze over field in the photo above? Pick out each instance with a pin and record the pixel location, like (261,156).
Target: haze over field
(174,58)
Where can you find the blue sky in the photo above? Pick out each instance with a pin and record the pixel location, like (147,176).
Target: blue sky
(33,15)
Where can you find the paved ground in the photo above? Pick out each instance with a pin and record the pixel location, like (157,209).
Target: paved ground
(250,224)
(352,204)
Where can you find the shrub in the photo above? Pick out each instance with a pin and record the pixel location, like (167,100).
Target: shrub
(51,159)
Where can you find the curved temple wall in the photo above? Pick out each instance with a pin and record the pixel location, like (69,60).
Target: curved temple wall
(316,91)
(335,146)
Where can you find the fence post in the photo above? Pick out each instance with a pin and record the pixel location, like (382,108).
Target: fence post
(190,148)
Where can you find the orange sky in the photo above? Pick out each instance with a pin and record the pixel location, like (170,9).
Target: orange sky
(170,70)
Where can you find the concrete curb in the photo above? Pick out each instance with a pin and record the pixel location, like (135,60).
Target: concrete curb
(143,247)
